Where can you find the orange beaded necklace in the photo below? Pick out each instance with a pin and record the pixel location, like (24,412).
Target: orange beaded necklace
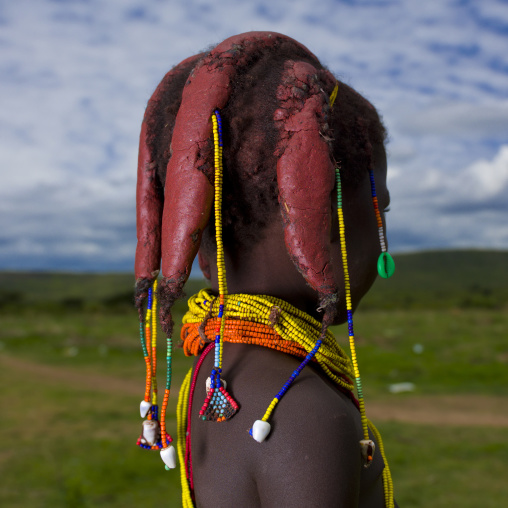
(239,332)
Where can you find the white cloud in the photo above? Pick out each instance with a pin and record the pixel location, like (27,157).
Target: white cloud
(494,12)
(75,78)
(462,208)
(456,119)
(488,179)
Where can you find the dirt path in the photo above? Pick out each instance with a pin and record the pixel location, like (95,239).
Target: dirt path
(71,378)
(442,410)
(432,410)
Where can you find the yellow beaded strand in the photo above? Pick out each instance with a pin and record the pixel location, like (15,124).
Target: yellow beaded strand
(333,96)
(387,476)
(154,342)
(349,307)
(221,265)
(218,405)
(181,425)
(270,409)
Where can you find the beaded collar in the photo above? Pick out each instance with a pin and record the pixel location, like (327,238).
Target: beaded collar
(265,321)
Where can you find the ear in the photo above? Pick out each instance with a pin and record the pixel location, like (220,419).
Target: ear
(204,264)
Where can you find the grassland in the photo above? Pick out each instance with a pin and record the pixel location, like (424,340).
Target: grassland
(72,376)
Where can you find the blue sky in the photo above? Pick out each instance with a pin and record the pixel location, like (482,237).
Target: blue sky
(75,76)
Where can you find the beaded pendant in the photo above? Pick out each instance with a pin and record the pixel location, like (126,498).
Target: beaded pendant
(218,406)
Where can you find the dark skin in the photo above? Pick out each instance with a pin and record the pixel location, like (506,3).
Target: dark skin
(311,457)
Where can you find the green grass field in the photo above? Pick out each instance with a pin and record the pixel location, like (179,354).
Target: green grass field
(72,376)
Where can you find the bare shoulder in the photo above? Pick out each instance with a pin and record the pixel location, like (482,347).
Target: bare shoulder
(311,457)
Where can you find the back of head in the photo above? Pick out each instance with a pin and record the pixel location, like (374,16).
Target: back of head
(282,141)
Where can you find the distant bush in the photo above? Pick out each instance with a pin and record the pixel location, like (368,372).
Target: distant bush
(423,280)
(10,299)
(120,300)
(73,303)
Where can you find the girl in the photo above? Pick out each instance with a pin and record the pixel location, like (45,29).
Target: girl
(258,160)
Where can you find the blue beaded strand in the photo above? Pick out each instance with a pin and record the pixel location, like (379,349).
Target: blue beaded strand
(299,369)
(372,184)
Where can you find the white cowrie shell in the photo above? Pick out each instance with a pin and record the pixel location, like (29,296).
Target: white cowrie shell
(144,407)
(260,430)
(168,455)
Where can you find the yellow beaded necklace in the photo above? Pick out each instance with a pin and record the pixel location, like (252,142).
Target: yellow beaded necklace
(291,324)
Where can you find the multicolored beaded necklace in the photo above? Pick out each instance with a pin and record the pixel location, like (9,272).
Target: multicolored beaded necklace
(269,322)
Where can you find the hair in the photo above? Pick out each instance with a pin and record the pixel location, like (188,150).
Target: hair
(278,130)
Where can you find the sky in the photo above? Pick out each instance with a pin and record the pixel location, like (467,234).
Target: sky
(75,77)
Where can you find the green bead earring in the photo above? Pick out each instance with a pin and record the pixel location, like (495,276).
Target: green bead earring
(385,262)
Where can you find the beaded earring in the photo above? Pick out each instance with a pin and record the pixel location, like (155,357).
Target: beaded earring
(154,435)
(385,262)
(218,405)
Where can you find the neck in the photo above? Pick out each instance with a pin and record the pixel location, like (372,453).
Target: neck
(266,269)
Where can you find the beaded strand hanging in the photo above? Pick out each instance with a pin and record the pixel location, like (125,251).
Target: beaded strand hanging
(261,428)
(154,435)
(366,444)
(218,405)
